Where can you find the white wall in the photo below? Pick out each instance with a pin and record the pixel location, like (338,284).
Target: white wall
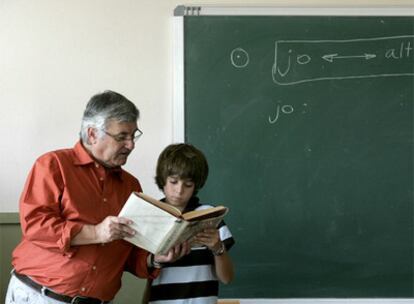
(55,54)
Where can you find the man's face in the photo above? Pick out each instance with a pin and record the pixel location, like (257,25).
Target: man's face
(109,149)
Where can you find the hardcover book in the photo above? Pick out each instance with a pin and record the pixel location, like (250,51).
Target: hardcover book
(160,226)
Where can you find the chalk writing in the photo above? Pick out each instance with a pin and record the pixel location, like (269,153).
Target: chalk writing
(299,61)
(284,109)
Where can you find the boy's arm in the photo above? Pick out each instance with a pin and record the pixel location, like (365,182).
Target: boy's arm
(223,264)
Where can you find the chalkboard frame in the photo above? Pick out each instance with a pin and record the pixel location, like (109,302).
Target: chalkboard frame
(179,47)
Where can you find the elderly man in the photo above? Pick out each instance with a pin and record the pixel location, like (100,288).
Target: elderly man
(72,249)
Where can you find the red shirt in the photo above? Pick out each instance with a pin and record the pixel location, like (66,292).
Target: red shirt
(65,190)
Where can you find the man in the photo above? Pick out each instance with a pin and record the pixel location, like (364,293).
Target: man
(72,249)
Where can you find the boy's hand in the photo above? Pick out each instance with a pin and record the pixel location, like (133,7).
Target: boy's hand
(208,237)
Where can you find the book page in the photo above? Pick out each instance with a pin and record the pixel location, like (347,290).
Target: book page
(169,208)
(151,223)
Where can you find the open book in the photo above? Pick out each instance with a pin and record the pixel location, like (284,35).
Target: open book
(160,226)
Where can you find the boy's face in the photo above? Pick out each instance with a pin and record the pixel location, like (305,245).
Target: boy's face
(178,191)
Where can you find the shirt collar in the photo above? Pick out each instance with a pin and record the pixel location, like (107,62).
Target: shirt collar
(83,158)
(193,204)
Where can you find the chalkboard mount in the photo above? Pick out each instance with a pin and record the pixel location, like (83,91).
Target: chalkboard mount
(183,10)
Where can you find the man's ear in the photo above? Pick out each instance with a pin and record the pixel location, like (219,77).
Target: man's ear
(92,135)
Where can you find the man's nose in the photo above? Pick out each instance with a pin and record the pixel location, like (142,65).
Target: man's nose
(129,144)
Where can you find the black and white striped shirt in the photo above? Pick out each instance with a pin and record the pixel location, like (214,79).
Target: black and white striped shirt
(191,279)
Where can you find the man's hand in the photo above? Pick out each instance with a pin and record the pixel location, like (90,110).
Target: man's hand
(175,253)
(110,229)
(113,228)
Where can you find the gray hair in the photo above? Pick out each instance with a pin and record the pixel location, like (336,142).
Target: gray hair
(103,107)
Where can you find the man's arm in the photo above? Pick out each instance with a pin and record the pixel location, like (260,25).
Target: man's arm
(110,229)
(145,265)
(40,211)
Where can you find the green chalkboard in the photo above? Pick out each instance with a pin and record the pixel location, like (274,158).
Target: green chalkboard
(307,123)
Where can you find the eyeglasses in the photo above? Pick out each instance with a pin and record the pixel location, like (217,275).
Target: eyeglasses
(123,137)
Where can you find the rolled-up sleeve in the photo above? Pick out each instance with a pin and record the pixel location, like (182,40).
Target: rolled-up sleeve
(137,264)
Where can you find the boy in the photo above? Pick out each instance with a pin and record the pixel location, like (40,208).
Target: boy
(181,171)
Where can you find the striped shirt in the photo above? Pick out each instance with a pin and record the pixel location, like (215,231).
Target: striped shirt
(191,279)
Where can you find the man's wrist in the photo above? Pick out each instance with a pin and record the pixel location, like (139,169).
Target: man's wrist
(152,263)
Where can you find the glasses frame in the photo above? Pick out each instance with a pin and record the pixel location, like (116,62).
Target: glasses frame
(124,138)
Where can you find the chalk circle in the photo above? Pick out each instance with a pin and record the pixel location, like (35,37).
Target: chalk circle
(239,58)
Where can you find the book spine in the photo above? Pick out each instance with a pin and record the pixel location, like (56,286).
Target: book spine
(172,236)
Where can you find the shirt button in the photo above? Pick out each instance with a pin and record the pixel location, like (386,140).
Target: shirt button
(97,165)
(83,289)
(101,179)
(104,200)
(93,267)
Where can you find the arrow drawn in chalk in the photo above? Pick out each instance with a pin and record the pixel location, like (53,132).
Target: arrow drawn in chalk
(332,57)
